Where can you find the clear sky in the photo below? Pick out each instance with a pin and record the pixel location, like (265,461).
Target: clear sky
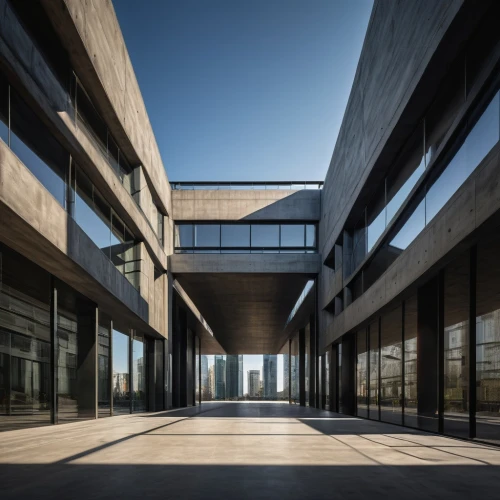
(245,90)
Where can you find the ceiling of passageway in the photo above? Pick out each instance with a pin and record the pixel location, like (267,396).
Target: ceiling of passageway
(247,312)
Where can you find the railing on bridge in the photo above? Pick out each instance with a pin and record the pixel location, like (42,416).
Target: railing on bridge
(242,185)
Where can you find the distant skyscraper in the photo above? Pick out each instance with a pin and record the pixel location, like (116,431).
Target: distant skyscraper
(234,376)
(220,377)
(270,376)
(253,383)
(286,375)
(205,389)
(211,382)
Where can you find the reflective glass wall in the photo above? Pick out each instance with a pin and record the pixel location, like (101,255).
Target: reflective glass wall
(361,373)
(121,373)
(139,373)
(25,380)
(245,238)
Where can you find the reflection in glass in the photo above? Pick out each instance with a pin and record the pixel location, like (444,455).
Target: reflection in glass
(374,371)
(456,347)
(184,236)
(265,235)
(411,417)
(391,367)
(121,380)
(235,235)
(103,367)
(89,215)
(33,144)
(375,229)
(361,374)
(292,235)
(207,235)
(24,342)
(310,235)
(488,341)
(411,229)
(139,374)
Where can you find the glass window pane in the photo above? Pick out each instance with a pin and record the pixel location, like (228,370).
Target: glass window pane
(139,374)
(207,235)
(310,235)
(292,235)
(235,235)
(488,340)
(33,144)
(376,223)
(25,345)
(456,347)
(407,171)
(391,383)
(479,142)
(374,371)
(265,235)
(121,385)
(361,374)
(91,121)
(184,235)
(444,109)
(93,222)
(411,229)
(103,366)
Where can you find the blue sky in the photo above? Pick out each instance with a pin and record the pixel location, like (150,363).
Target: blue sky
(240,90)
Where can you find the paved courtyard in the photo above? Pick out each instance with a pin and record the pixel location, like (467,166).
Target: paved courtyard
(242,451)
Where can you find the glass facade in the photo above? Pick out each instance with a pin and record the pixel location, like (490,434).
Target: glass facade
(139,374)
(32,142)
(361,373)
(374,370)
(25,389)
(391,382)
(421,182)
(488,341)
(245,238)
(104,366)
(121,373)
(456,347)
(410,362)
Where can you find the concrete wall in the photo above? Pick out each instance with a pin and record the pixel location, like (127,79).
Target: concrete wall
(222,205)
(25,66)
(245,263)
(400,41)
(92,36)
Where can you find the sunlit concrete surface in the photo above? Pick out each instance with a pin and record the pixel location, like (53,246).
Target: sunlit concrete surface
(242,450)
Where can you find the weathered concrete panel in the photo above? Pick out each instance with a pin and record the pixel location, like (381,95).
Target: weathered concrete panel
(245,263)
(91,33)
(249,204)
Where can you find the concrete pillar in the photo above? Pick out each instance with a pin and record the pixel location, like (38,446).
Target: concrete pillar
(313,371)
(53,353)
(151,373)
(427,351)
(348,374)
(302,367)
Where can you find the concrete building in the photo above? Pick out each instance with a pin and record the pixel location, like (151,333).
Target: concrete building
(113,279)
(220,377)
(253,383)
(270,376)
(234,376)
